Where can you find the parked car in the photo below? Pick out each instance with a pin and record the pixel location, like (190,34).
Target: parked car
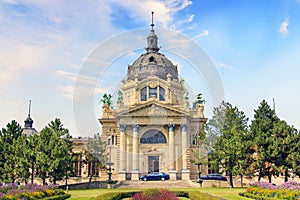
(155,176)
(217,177)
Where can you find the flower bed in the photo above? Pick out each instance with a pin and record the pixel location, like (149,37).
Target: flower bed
(289,190)
(155,194)
(30,191)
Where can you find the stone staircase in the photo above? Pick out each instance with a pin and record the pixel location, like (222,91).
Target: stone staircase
(156,184)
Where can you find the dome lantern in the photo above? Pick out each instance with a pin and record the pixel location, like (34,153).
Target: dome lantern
(152,39)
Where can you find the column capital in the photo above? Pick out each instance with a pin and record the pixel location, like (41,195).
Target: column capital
(135,127)
(171,127)
(183,127)
(122,127)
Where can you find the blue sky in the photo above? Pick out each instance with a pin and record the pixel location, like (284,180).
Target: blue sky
(255,46)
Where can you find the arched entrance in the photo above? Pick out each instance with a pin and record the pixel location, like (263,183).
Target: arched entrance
(153,137)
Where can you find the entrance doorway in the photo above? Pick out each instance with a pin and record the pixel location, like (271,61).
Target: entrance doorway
(153,163)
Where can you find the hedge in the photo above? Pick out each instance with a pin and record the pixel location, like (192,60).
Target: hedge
(58,197)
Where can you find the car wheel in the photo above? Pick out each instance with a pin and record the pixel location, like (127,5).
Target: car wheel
(145,179)
(162,178)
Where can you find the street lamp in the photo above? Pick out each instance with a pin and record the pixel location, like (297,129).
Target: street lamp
(199,180)
(109,181)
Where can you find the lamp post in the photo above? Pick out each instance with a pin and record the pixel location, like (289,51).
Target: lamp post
(199,180)
(109,181)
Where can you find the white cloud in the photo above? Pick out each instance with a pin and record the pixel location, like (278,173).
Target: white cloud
(283,30)
(202,34)
(17,57)
(223,65)
(179,23)
(164,9)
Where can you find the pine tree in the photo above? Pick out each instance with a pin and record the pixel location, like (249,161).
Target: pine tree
(230,147)
(54,152)
(262,133)
(7,155)
(293,159)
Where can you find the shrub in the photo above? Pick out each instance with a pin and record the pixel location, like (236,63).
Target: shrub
(59,197)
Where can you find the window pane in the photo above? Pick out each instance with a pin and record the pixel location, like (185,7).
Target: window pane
(161,94)
(144,94)
(152,92)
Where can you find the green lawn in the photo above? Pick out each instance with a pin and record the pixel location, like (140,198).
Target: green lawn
(225,193)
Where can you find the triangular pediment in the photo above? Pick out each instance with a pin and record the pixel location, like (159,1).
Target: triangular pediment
(153,109)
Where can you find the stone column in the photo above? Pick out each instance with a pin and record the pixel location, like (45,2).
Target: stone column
(172,161)
(185,171)
(135,153)
(122,169)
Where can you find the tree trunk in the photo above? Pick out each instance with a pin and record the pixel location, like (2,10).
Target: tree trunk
(269,176)
(32,171)
(90,180)
(66,183)
(242,180)
(286,175)
(259,175)
(230,180)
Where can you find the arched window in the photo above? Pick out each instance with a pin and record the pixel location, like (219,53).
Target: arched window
(144,94)
(161,93)
(153,137)
(152,92)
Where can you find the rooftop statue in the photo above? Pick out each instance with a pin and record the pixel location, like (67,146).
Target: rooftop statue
(199,100)
(106,99)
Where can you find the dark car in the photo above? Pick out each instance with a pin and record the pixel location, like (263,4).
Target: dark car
(155,176)
(217,177)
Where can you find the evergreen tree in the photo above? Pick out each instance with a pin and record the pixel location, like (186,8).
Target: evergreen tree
(230,146)
(22,151)
(283,137)
(61,152)
(54,152)
(33,152)
(262,133)
(293,159)
(8,154)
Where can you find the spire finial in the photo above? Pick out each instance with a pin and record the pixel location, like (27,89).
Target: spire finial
(152,25)
(274,104)
(29,108)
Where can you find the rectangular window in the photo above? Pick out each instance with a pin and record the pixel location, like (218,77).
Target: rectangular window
(161,94)
(144,94)
(153,92)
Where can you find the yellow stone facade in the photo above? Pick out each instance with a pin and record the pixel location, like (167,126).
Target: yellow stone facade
(153,126)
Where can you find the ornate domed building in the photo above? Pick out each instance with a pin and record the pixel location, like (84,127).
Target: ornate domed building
(153,126)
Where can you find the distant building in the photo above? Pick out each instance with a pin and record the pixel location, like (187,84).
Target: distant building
(28,128)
